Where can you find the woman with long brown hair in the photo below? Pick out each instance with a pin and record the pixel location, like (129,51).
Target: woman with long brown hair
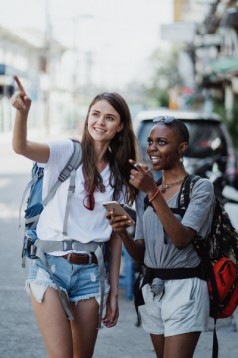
(107,144)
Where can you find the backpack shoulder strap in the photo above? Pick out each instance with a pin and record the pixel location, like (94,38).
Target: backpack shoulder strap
(184,194)
(186,189)
(73,163)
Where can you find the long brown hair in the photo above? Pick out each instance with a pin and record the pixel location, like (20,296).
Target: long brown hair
(122,148)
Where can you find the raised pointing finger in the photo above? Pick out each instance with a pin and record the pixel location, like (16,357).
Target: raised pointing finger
(141,166)
(19,85)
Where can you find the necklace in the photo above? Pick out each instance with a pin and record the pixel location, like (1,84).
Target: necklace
(167,186)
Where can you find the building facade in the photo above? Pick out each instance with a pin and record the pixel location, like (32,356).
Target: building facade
(39,62)
(206,33)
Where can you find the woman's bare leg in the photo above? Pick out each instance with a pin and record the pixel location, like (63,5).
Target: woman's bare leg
(158,344)
(84,327)
(54,325)
(181,345)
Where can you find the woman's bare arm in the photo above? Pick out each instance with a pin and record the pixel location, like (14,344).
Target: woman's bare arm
(35,151)
(112,310)
(120,223)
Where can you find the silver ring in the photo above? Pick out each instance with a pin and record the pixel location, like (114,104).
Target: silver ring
(132,177)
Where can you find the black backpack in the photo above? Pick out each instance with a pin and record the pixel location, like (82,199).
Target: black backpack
(219,256)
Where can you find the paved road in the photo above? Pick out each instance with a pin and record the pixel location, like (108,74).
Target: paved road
(19,334)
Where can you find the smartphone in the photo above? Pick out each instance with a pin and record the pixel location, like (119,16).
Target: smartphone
(118,208)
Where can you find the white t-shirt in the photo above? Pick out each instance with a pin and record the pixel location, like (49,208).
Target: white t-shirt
(83,225)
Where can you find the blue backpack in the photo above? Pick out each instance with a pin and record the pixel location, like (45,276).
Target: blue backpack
(35,204)
(35,248)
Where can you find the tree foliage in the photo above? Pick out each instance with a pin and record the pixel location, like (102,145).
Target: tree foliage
(165,75)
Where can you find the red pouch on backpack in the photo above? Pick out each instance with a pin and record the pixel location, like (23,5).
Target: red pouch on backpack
(232,304)
(225,274)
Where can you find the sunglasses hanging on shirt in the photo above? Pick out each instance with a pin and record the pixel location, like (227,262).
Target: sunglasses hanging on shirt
(89,202)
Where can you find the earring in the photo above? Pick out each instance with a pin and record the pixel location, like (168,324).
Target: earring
(181,157)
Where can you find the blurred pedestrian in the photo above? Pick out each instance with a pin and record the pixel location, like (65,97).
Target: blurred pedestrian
(174,302)
(108,142)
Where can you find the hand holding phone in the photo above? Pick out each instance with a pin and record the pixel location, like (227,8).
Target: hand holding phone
(118,209)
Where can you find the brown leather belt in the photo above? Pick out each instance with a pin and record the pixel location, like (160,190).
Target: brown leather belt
(80,259)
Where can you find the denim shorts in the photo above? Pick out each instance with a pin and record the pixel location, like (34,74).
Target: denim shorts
(183,308)
(79,282)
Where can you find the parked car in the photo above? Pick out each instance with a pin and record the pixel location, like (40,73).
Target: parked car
(211,149)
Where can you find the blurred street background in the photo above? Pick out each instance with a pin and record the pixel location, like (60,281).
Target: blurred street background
(176,55)
(181,54)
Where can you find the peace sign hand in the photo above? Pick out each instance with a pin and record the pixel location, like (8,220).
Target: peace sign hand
(20,100)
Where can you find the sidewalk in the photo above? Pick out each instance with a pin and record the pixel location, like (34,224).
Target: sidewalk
(128,341)
(235,319)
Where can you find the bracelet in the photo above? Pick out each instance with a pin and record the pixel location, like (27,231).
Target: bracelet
(154,195)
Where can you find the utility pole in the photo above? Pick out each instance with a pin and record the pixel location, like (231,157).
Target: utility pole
(48,34)
(77,37)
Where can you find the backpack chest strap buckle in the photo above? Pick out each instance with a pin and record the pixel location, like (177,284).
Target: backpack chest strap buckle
(68,245)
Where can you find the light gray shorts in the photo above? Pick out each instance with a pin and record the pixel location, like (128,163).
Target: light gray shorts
(183,308)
